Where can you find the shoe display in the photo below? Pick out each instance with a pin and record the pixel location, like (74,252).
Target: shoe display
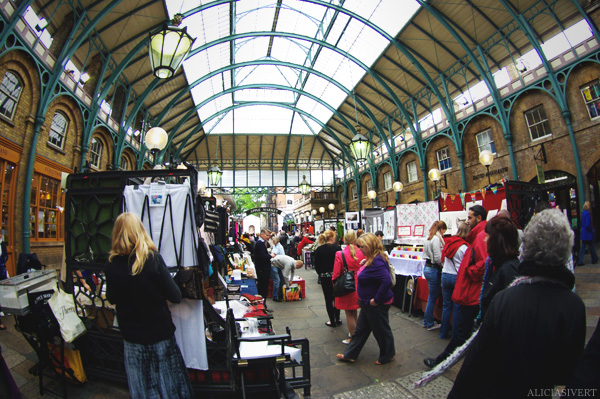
(430,362)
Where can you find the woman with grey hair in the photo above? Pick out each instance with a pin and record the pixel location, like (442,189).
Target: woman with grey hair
(533,331)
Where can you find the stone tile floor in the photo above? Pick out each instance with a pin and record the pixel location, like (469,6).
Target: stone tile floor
(330,378)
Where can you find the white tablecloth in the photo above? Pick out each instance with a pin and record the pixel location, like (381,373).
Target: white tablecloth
(408,267)
(188,318)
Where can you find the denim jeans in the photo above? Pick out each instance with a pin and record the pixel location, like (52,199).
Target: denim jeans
(276,275)
(448,283)
(432,275)
(590,245)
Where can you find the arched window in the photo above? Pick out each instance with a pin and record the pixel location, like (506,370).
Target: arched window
(95,152)
(10,91)
(58,130)
(125,165)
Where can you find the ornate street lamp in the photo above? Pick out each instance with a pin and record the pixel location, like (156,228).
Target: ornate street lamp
(214,175)
(304,186)
(156,139)
(360,147)
(169,47)
(372,194)
(435,176)
(486,158)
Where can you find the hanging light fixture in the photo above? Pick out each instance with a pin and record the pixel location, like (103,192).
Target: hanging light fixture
(214,175)
(169,47)
(322,209)
(156,139)
(397,186)
(359,145)
(304,186)
(331,206)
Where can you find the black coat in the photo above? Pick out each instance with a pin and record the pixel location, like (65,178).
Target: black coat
(501,278)
(530,339)
(262,258)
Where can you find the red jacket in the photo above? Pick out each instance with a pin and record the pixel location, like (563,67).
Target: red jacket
(470,275)
(304,242)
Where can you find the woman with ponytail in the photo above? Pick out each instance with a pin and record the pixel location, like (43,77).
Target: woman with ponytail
(139,284)
(349,302)
(432,253)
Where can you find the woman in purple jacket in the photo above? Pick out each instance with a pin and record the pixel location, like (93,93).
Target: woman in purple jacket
(374,289)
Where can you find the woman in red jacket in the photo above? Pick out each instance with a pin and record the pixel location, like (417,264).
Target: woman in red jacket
(349,302)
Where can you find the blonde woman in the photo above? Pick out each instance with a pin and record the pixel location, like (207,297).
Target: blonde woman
(349,302)
(432,253)
(139,284)
(374,289)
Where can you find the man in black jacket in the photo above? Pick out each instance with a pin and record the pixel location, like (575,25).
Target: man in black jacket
(262,259)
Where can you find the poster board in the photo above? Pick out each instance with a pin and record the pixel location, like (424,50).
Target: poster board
(373,220)
(389,224)
(319,226)
(352,221)
(408,216)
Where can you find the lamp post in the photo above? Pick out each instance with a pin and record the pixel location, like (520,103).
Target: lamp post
(486,158)
(372,194)
(156,139)
(169,47)
(304,186)
(214,175)
(435,175)
(398,187)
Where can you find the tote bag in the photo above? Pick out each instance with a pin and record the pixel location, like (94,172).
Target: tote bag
(345,283)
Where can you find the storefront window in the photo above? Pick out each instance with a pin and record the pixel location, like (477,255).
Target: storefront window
(591,96)
(6,185)
(45,213)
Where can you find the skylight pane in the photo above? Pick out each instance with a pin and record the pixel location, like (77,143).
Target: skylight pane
(265,74)
(254,16)
(303,124)
(251,49)
(289,50)
(206,61)
(208,25)
(213,107)
(262,119)
(222,125)
(314,108)
(294,17)
(275,95)
(206,88)
(324,89)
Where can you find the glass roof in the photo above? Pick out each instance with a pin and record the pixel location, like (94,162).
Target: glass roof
(275,90)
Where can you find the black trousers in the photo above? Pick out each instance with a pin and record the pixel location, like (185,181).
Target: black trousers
(373,319)
(332,312)
(262,285)
(464,331)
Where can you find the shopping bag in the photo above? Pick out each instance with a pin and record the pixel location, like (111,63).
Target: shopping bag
(345,283)
(63,307)
(72,363)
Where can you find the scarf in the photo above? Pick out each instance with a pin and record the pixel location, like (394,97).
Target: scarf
(532,272)
(451,246)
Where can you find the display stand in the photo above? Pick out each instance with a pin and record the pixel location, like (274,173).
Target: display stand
(408,261)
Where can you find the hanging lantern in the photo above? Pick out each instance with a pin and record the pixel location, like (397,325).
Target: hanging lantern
(304,186)
(360,147)
(169,47)
(156,139)
(214,175)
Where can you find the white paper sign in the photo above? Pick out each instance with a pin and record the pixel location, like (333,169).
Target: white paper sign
(158,194)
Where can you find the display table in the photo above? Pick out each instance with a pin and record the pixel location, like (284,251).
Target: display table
(407,261)
(248,285)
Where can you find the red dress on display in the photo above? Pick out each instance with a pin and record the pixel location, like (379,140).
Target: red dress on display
(348,301)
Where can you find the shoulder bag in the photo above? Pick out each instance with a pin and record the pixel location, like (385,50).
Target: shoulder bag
(345,283)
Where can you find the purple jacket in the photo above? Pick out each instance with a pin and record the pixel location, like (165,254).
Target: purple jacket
(374,282)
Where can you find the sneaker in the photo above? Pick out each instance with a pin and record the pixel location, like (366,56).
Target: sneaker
(346,341)
(435,326)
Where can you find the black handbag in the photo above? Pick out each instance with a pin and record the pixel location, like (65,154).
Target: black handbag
(189,281)
(344,284)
